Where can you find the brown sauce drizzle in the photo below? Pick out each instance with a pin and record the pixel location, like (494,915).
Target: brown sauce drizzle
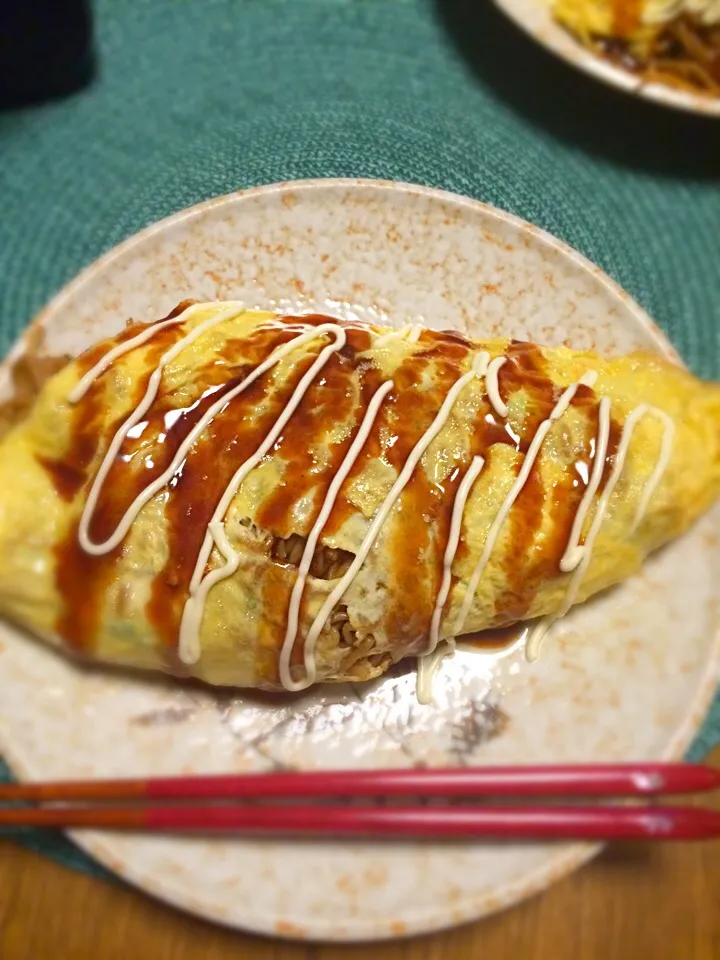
(527,564)
(87,428)
(153,444)
(418,531)
(373,450)
(626,17)
(495,640)
(614,436)
(194,493)
(525,369)
(82,580)
(227,443)
(332,398)
(276,586)
(69,472)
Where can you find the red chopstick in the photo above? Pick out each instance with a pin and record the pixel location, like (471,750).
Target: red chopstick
(504,822)
(639,779)
(143,804)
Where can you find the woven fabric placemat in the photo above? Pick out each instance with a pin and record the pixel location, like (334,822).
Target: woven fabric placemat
(195,99)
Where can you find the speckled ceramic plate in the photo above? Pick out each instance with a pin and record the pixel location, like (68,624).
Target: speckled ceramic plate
(625,677)
(534,17)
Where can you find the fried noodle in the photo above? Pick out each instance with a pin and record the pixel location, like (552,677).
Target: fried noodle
(683,53)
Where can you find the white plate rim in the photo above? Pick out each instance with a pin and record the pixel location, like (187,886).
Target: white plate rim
(576,55)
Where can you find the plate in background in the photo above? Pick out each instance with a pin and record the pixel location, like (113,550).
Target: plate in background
(627,676)
(534,17)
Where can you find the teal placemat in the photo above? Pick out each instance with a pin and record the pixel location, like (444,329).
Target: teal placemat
(200,97)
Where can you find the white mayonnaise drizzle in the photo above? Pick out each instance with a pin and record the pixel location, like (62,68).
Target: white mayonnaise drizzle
(451,548)
(427,670)
(573,551)
(575,559)
(294,609)
(96,549)
(429,662)
(479,368)
(106,361)
(130,515)
(663,460)
(189,644)
(410,332)
(493,391)
(587,379)
(540,630)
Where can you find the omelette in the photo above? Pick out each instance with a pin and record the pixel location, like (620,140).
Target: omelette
(269,501)
(676,42)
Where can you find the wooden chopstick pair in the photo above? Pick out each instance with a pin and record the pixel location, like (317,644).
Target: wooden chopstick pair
(220,803)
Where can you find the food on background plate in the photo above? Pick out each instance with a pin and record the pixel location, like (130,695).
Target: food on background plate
(675,42)
(270,501)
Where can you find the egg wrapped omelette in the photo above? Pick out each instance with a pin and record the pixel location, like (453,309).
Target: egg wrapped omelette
(676,42)
(267,501)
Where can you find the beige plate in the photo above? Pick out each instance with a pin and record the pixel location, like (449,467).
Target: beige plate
(628,676)
(534,17)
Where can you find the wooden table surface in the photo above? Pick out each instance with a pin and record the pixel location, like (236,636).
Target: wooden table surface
(640,902)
